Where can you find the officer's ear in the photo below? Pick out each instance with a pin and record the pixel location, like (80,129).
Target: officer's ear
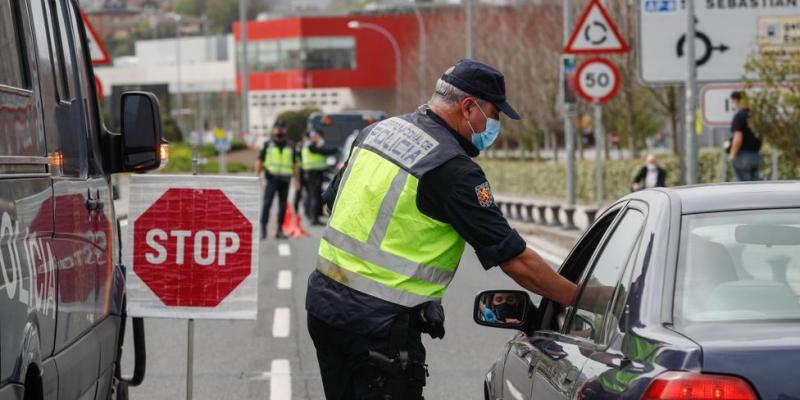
(465,106)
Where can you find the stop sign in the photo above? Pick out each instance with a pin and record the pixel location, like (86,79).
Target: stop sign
(192,247)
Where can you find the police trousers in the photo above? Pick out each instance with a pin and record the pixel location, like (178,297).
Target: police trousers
(313,182)
(349,373)
(279,186)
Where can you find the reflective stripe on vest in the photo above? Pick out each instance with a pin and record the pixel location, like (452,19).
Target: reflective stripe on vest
(279,161)
(312,161)
(378,242)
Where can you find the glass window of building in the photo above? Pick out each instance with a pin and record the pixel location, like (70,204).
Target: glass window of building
(334,52)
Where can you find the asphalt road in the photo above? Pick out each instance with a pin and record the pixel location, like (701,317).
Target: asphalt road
(273,357)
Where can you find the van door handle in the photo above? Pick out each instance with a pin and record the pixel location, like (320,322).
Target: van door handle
(93,203)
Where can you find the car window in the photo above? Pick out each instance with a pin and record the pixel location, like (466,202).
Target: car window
(598,287)
(12,63)
(739,266)
(59,22)
(575,265)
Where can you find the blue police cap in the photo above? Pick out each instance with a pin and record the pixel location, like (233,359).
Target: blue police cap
(482,81)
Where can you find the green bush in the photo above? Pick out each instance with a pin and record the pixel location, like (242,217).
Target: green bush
(180,160)
(548,180)
(296,121)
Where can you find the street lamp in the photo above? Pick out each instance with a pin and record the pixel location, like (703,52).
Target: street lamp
(367,25)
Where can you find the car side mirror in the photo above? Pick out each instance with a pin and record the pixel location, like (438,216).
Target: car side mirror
(141,132)
(510,309)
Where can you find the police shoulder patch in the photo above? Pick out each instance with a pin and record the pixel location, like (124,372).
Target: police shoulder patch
(484,193)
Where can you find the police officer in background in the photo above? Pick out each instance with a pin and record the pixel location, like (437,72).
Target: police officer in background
(299,183)
(314,162)
(406,203)
(279,162)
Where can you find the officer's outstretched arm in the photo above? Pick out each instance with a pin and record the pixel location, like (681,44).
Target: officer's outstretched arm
(532,272)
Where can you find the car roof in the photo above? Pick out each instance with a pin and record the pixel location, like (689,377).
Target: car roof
(736,196)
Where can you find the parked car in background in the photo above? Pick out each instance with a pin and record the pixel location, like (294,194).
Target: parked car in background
(686,293)
(62,284)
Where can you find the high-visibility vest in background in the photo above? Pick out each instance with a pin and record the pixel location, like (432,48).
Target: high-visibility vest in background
(279,161)
(311,161)
(377,241)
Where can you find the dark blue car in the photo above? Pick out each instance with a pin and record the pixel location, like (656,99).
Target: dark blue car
(688,293)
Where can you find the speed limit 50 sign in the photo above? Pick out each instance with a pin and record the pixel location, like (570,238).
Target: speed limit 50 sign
(598,80)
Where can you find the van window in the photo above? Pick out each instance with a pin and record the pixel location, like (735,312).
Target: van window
(57,51)
(59,23)
(12,62)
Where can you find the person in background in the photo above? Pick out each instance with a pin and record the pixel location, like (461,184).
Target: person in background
(299,182)
(745,147)
(650,175)
(279,163)
(314,162)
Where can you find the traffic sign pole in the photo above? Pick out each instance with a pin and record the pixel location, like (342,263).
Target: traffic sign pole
(599,147)
(691,97)
(190,324)
(569,112)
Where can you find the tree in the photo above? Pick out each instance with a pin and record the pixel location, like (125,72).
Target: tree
(296,121)
(774,99)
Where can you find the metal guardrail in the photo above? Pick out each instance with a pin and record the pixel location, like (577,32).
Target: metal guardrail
(543,213)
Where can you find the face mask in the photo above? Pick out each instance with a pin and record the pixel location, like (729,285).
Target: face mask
(504,311)
(485,139)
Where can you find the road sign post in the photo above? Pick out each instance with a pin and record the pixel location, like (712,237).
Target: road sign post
(598,81)
(569,114)
(597,78)
(691,95)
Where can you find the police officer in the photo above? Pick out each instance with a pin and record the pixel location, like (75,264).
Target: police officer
(314,162)
(280,164)
(406,203)
(299,183)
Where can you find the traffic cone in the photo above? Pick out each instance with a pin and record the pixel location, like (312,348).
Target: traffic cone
(291,224)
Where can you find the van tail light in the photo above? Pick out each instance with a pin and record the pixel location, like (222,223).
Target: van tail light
(679,385)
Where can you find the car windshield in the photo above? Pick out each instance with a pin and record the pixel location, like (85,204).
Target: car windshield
(739,266)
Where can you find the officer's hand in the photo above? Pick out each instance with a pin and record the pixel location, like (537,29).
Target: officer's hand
(431,320)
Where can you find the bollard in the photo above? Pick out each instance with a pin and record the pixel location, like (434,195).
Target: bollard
(518,206)
(591,214)
(529,207)
(542,216)
(569,225)
(556,210)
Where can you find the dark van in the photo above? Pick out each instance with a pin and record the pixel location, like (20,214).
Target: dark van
(338,126)
(62,286)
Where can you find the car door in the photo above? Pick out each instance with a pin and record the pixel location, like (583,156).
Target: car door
(561,356)
(521,358)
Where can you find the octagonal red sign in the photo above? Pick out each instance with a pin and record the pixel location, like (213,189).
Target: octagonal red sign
(192,247)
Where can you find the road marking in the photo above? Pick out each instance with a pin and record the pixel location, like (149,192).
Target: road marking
(280,384)
(551,258)
(285,279)
(280,322)
(284,250)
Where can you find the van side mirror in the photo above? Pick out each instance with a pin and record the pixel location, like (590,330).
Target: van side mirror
(141,132)
(511,309)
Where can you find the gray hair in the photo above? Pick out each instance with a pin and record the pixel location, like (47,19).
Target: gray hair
(448,94)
